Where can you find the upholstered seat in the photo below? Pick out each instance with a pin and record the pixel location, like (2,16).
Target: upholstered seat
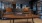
(26,10)
(8,9)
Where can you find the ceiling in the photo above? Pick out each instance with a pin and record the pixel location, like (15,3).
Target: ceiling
(16,1)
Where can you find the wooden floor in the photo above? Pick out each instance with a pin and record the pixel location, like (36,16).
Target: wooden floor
(38,20)
(21,21)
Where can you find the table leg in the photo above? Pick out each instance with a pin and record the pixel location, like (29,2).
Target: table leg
(13,20)
(27,20)
(10,21)
(32,20)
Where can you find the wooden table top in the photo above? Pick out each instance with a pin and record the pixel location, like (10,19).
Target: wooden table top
(20,16)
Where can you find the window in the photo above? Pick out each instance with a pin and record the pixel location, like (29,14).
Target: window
(34,7)
(39,6)
(1,5)
(17,6)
